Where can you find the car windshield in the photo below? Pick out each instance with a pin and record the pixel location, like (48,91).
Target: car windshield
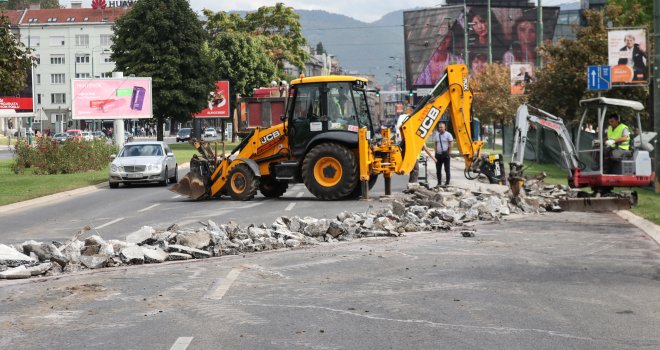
(60,135)
(184,131)
(141,151)
(73,133)
(210,129)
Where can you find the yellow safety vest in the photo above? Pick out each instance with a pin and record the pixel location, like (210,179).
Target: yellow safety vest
(618,133)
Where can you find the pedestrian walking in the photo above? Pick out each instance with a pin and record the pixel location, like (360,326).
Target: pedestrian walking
(443,144)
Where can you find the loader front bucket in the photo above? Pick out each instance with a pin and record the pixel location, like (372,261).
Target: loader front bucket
(190,185)
(593,204)
(194,183)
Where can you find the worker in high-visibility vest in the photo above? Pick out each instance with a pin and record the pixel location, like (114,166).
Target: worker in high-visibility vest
(618,142)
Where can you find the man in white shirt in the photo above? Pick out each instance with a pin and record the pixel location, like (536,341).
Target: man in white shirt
(443,144)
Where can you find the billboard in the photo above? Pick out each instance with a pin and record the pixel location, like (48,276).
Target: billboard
(435,38)
(218,106)
(16,103)
(116,98)
(521,75)
(627,55)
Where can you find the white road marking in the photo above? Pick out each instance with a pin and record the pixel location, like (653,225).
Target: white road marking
(149,207)
(181,343)
(290,206)
(222,285)
(109,223)
(177,196)
(300,194)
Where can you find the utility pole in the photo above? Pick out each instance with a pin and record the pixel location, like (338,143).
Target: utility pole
(490,39)
(465,33)
(656,90)
(539,32)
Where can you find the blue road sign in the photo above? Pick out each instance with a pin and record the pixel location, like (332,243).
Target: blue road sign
(599,78)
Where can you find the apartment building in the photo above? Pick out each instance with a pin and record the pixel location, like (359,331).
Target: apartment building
(67,43)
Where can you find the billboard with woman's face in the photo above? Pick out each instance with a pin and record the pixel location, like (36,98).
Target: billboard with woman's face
(627,55)
(434,38)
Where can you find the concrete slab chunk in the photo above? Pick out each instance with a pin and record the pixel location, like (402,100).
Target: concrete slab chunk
(11,257)
(141,235)
(18,272)
(197,253)
(132,255)
(154,255)
(94,261)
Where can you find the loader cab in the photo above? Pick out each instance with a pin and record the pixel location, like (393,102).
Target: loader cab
(606,166)
(330,107)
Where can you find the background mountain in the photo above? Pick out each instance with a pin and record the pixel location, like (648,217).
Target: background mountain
(360,47)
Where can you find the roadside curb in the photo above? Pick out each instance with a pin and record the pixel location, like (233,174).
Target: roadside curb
(61,196)
(648,227)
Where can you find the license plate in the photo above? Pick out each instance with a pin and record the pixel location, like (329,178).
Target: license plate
(134,175)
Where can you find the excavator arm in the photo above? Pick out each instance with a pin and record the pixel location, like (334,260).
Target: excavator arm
(452,94)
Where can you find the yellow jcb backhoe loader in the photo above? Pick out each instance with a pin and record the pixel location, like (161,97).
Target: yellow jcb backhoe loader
(326,140)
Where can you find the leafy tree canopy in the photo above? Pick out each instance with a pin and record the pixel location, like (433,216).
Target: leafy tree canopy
(15,61)
(164,40)
(630,13)
(279,26)
(319,48)
(492,95)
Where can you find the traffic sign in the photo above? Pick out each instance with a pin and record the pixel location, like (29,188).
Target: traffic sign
(599,78)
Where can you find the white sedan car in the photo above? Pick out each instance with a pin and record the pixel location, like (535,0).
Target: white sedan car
(210,132)
(143,162)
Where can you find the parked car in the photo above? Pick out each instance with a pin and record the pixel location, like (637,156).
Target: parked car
(99,135)
(75,134)
(210,132)
(24,132)
(183,135)
(87,136)
(60,137)
(143,162)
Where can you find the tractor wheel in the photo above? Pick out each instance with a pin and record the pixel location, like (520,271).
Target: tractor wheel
(329,171)
(272,188)
(241,183)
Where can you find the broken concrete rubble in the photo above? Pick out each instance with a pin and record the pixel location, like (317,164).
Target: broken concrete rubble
(418,209)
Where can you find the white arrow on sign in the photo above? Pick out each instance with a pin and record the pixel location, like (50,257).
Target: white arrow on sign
(593,78)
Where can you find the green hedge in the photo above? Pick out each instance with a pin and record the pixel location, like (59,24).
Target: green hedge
(46,156)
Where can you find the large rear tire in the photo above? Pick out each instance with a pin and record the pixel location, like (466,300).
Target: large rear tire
(271,188)
(241,183)
(329,171)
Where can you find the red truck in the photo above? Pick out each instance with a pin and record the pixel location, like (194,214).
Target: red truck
(263,108)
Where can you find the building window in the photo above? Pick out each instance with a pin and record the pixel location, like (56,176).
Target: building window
(38,79)
(33,20)
(57,98)
(106,75)
(82,59)
(57,59)
(38,99)
(34,41)
(56,41)
(82,40)
(106,39)
(107,59)
(71,19)
(57,79)
(83,75)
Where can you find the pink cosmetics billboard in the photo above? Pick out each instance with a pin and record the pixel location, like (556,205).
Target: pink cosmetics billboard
(121,98)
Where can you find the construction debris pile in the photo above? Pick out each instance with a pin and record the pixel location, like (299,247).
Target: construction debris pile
(419,209)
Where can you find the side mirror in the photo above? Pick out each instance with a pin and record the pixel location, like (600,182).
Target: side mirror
(170,154)
(113,156)
(283,118)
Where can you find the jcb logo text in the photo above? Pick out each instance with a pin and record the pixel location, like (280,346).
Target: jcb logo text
(270,137)
(428,122)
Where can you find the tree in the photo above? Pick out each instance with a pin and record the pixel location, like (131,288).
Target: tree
(25,4)
(278,26)
(319,48)
(15,61)
(164,40)
(561,85)
(630,13)
(492,95)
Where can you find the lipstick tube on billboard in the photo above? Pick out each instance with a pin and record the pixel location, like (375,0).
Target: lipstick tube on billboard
(137,99)
(112,105)
(98,103)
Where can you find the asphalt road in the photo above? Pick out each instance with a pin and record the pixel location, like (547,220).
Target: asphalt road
(114,213)
(554,281)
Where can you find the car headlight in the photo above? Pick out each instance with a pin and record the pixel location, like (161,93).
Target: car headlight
(114,168)
(153,167)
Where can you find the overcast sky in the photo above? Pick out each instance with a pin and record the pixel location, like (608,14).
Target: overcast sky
(363,10)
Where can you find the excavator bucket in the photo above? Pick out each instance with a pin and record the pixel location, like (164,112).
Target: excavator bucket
(595,204)
(190,185)
(193,184)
